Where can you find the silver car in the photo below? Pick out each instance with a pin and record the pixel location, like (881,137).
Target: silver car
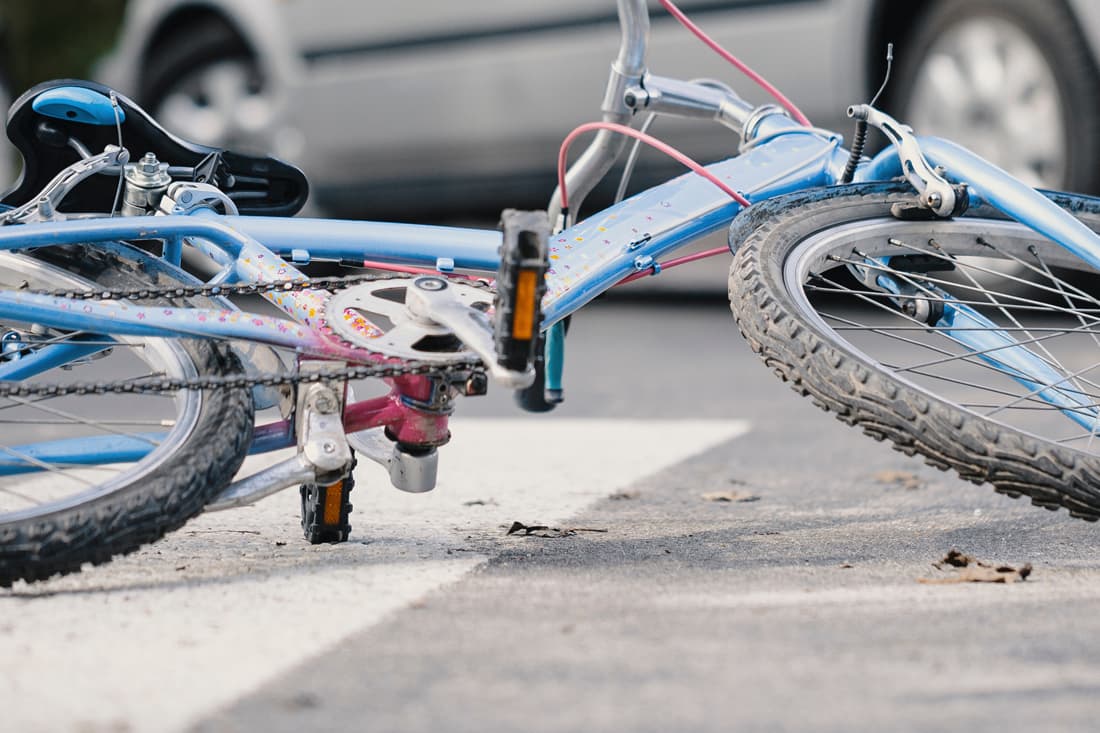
(442,108)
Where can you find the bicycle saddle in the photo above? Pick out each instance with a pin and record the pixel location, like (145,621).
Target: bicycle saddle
(49,124)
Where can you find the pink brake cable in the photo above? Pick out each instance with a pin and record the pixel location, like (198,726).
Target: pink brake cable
(763,83)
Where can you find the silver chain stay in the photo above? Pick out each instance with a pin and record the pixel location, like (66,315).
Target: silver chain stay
(393,367)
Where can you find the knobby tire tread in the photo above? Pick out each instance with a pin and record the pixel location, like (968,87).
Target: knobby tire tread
(860,394)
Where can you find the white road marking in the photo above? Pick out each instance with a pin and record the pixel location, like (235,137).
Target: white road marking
(156,641)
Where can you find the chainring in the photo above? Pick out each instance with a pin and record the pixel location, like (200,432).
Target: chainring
(374,316)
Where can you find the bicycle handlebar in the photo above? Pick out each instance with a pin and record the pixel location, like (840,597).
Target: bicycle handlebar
(630,88)
(626,71)
(634,24)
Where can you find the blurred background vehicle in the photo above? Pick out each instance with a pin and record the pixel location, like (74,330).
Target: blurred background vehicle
(437,109)
(40,41)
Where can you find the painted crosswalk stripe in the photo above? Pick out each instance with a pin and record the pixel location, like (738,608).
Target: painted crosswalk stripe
(155,641)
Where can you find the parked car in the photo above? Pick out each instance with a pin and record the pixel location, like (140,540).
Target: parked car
(442,108)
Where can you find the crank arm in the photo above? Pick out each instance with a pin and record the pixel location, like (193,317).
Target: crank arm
(323,450)
(430,300)
(291,472)
(414,473)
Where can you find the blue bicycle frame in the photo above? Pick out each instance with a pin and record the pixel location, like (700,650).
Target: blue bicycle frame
(586,259)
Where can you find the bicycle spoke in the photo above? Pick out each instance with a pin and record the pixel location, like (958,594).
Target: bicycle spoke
(1002,347)
(1021,303)
(1038,307)
(970,265)
(963,358)
(966,357)
(82,420)
(45,465)
(43,421)
(1035,253)
(1095,341)
(1047,386)
(989,329)
(1049,358)
(984,290)
(947,257)
(12,492)
(1040,404)
(1036,407)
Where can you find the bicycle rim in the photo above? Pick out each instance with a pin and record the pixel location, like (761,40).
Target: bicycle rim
(840,298)
(1024,288)
(57,453)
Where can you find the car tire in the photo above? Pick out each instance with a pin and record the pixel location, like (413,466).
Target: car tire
(1011,79)
(206,84)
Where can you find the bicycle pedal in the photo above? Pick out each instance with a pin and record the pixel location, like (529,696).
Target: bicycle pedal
(326,511)
(521,284)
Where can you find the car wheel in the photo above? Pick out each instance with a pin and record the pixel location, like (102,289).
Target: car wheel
(206,85)
(1010,79)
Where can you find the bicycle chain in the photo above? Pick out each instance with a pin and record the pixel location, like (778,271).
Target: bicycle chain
(239,381)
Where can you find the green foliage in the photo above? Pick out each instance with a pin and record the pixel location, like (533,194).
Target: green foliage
(59,38)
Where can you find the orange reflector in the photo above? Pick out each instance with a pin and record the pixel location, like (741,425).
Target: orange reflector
(334,502)
(523,322)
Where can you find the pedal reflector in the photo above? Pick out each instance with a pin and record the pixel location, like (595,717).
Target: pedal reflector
(334,502)
(520,286)
(523,324)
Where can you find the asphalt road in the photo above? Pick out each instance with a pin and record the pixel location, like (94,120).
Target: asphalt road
(798,608)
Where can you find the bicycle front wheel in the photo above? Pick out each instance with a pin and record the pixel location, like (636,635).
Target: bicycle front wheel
(86,477)
(972,342)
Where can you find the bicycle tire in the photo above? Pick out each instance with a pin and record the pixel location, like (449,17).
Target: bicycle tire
(798,333)
(160,492)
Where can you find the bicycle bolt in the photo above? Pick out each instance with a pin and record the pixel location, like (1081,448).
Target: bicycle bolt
(477,384)
(933,200)
(149,163)
(325,404)
(328,447)
(431,284)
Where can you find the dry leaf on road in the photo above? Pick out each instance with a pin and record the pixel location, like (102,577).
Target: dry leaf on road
(542,530)
(730,496)
(901,479)
(975,571)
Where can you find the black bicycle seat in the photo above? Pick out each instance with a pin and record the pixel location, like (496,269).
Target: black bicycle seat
(46,120)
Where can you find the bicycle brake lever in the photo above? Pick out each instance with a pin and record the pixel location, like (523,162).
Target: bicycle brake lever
(935,192)
(43,207)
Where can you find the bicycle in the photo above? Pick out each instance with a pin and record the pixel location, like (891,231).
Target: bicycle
(824,239)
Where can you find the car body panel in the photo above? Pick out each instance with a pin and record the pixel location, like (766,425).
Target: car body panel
(404,101)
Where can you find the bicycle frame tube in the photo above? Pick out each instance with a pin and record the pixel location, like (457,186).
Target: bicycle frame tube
(598,252)
(585,259)
(989,184)
(353,241)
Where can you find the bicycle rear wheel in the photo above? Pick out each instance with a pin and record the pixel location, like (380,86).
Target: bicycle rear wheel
(86,477)
(973,342)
